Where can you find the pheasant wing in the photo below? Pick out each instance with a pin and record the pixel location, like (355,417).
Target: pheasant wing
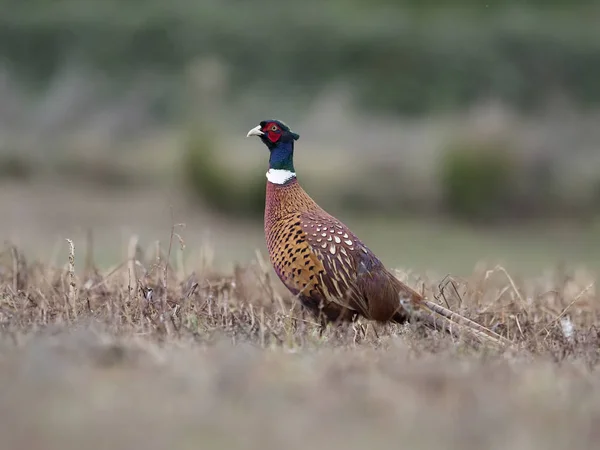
(345,260)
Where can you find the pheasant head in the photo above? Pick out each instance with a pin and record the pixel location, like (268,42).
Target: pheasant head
(279,139)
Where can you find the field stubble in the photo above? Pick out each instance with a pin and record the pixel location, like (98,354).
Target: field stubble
(148,356)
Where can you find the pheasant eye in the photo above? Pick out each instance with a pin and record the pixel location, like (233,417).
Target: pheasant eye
(274,128)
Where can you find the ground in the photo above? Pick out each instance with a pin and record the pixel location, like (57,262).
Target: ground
(217,359)
(74,390)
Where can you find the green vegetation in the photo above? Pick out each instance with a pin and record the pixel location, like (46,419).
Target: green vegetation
(229,191)
(493,180)
(13,167)
(478,179)
(229,59)
(401,57)
(484,180)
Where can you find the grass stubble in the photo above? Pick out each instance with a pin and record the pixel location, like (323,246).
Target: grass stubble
(146,355)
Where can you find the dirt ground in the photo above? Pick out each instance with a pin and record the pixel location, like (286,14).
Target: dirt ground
(79,389)
(95,361)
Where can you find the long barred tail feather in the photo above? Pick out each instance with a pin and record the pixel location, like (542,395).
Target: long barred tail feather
(437,317)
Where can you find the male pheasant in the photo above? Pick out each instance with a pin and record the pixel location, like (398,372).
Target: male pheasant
(330,270)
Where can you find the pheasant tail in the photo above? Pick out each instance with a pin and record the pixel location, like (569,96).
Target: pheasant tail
(435,316)
(410,305)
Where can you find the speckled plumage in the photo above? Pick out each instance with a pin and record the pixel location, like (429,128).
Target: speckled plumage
(320,260)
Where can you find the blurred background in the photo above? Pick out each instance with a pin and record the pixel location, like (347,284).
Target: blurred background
(443,133)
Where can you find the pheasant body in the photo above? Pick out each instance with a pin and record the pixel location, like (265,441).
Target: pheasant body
(333,273)
(320,260)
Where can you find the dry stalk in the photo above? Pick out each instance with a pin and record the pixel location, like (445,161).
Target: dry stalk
(180,261)
(15,263)
(510,280)
(131,260)
(72,286)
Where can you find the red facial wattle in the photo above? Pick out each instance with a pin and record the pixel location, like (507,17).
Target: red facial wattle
(273,136)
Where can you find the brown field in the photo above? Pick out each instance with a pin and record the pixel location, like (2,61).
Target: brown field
(90,359)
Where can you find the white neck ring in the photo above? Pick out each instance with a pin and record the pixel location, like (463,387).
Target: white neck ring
(280,176)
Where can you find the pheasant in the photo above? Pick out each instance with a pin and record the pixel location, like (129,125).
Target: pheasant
(333,273)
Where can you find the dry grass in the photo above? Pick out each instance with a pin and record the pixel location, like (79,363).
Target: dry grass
(151,356)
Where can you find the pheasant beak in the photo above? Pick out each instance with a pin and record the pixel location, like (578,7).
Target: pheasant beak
(256,131)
